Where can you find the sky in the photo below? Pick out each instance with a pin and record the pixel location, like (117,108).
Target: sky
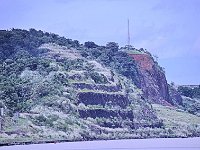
(169,29)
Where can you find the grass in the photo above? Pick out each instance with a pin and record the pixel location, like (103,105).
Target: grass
(135,52)
(28,140)
(75,81)
(175,116)
(100,92)
(178,123)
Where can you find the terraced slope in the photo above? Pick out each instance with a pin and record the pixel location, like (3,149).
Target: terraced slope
(89,99)
(56,89)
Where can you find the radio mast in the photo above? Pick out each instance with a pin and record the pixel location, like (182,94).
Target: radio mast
(128,36)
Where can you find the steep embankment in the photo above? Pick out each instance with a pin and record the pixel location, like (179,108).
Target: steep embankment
(152,78)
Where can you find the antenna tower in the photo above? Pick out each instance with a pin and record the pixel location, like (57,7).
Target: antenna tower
(128,36)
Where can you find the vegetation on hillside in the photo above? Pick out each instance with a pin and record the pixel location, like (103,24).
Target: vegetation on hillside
(19,54)
(191,98)
(189,91)
(53,88)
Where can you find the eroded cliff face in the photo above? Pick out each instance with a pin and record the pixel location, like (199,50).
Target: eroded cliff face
(153,80)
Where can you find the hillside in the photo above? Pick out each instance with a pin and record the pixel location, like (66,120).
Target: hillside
(56,89)
(191,98)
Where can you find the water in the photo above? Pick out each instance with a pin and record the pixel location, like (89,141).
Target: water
(135,144)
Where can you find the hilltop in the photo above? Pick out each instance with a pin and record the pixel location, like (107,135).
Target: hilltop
(56,89)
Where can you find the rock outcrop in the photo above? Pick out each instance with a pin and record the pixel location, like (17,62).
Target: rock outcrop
(153,80)
(103,99)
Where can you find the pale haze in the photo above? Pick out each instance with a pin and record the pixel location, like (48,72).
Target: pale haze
(169,29)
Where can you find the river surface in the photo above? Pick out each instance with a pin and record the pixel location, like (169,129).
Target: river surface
(133,144)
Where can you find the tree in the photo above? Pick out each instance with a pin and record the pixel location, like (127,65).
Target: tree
(186,91)
(90,44)
(114,47)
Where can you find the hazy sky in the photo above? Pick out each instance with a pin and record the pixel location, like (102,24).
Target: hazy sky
(169,29)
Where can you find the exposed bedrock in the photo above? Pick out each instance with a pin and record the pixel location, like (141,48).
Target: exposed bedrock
(90,98)
(153,80)
(106,113)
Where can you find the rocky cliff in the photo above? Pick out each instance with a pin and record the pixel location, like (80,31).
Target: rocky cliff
(152,78)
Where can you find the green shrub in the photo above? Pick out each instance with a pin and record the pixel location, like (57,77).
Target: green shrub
(42,120)
(98,78)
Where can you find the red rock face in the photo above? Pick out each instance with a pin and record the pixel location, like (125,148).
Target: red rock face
(143,60)
(153,80)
